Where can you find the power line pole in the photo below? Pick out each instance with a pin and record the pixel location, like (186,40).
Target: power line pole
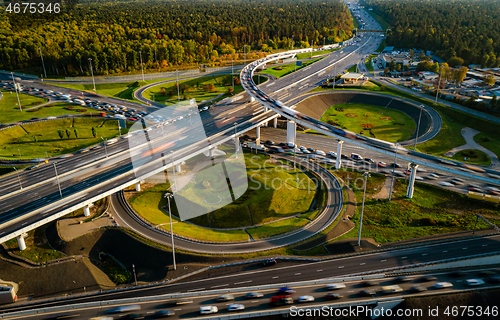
(16,86)
(43,64)
(92,72)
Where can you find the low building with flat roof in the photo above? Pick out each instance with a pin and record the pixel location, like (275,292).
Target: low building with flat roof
(352,77)
(422,84)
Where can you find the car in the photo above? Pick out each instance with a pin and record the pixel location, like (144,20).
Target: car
(281,300)
(391,289)
(287,290)
(369,283)
(367,293)
(208,310)
(402,279)
(332,154)
(487,273)
(474,282)
(369,160)
(235,307)
(335,286)
(33,167)
(494,279)
(396,165)
(225,297)
(133,316)
(457,274)
(183,301)
(253,295)
(270,262)
(333,296)
(270,142)
(320,152)
(306,299)
(163,313)
(310,149)
(416,289)
(442,285)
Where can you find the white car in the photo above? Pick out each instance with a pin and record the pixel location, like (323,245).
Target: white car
(235,307)
(208,310)
(306,299)
(474,282)
(335,286)
(442,285)
(332,154)
(320,152)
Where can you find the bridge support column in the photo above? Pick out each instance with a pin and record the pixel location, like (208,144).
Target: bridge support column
(411,185)
(338,161)
(237,144)
(86,210)
(211,153)
(20,242)
(252,99)
(177,168)
(265,109)
(257,141)
(275,122)
(291,132)
(137,186)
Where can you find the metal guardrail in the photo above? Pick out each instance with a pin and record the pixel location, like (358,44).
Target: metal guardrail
(17,74)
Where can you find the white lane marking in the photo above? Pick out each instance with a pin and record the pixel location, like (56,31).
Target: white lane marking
(319,270)
(444,251)
(484,245)
(297,274)
(243,282)
(424,254)
(341,267)
(150,312)
(403,257)
(275,277)
(221,285)
(464,248)
(350,291)
(177,309)
(196,289)
(362,264)
(383,260)
(255,301)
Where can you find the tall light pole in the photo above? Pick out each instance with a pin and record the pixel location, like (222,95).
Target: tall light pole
(19,153)
(244,55)
(19,178)
(142,68)
(105,149)
(418,127)
(170,211)
(366,175)
(232,73)
(292,41)
(57,177)
(178,92)
(17,91)
(135,276)
(92,72)
(393,169)
(439,84)
(43,64)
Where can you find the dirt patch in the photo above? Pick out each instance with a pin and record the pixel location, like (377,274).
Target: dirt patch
(351,115)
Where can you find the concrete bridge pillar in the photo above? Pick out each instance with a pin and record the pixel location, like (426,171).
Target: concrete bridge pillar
(137,186)
(275,122)
(265,109)
(211,152)
(257,141)
(178,167)
(20,242)
(86,210)
(252,99)
(411,185)
(291,132)
(338,161)
(237,144)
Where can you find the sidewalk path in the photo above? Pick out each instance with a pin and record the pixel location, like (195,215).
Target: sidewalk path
(468,134)
(384,191)
(72,228)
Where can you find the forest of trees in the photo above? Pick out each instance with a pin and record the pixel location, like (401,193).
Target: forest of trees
(166,32)
(465,29)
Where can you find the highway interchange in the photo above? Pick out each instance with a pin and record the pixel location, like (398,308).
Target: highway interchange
(93,173)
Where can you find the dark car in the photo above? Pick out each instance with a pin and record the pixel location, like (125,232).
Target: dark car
(417,289)
(369,283)
(427,278)
(344,156)
(494,279)
(133,316)
(310,149)
(367,293)
(163,314)
(458,274)
(269,142)
(286,290)
(402,279)
(253,295)
(396,165)
(333,296)
(270,262)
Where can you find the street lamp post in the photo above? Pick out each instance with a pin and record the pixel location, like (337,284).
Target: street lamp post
(439,84)
(170,211)
(178,92)
(135,276)
(292,41)
(92,72)
(418,127)
(17,91)
(57,177)
(232,73)
(19,178)
(366,175)
(19,153)
(43,64)
(393,169)
(245,55)
(142,68)
(105,149)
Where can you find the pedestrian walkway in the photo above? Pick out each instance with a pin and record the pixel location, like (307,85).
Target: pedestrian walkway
(71,228)
(468,134)
(385,190)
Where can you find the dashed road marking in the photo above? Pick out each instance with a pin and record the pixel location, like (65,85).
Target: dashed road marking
(362,264)
(243,282)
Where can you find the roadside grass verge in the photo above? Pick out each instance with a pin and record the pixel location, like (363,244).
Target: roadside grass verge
(489,142)
(283,70)
(37,248)
(368,62)
(35,139)
(384,24)
(307,55)
(473,156)
(382,46)
(9,107)
(278,227)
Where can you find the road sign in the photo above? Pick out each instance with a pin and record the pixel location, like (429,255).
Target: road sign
(299,63)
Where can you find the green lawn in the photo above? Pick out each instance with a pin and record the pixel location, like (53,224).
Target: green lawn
(48,140)
(277,227)
(474,156)
(431,211)
(283,70)
(382,46)
(368,63)
(353,68)
(387,124)
(307,55)
(489,142)
(37,248)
